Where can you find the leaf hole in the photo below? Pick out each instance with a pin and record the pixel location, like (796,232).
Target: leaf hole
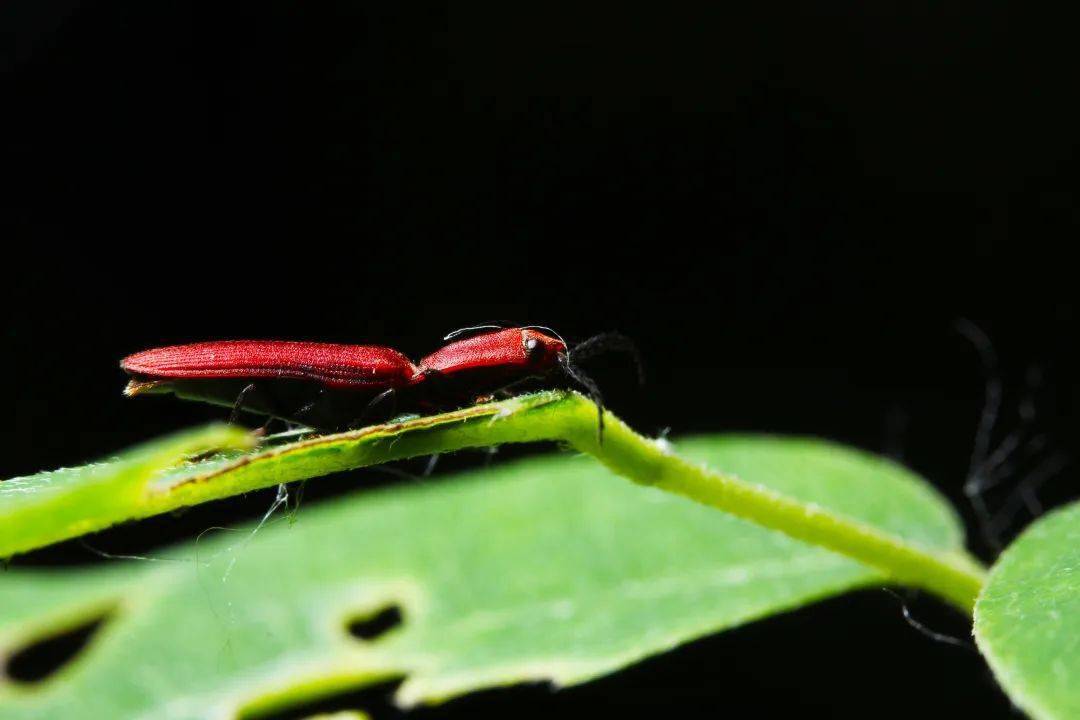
(374,625)
(45,656)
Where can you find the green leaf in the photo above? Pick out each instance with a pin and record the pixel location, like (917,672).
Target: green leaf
(1027,619)
(551,568)
(561,416)
(41,509)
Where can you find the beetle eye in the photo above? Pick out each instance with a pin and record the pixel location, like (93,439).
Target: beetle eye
(532,345)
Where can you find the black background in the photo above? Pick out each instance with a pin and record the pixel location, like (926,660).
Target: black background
(788,206)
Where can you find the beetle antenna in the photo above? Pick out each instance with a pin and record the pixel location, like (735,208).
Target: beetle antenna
(591,387)
(546,329)
(473,328)
(610,342)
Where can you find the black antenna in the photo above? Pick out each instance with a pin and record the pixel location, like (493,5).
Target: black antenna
(591,387)
(610,342)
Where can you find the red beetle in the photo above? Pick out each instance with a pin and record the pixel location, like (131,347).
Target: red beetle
(328,386)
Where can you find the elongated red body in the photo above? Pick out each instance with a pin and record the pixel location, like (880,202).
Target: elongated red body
(329,386)
(330,365)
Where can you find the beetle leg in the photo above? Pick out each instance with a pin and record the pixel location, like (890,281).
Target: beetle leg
(238,405)
(311,405)
(508,390)
(389,393)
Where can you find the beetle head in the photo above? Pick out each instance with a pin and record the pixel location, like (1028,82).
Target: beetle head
(541,349)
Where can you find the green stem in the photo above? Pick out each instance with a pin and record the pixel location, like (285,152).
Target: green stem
(955,578)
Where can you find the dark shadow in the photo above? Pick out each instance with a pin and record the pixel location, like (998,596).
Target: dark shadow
(376,700)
